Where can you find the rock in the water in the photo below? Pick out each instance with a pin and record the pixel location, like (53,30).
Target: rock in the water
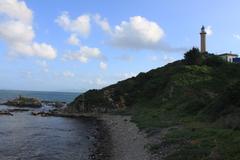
(6,113)
(42,114)
(56,104)
(24,102)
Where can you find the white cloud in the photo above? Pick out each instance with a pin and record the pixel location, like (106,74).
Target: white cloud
(16,10)
(137,33)
(103,65)
(84,54)
(73,40)
(44,50)
(103,23)
(237,36)
(68,74)
(209,30)
(80,25)
(17,31)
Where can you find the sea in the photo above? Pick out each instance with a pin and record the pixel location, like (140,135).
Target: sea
(27,137)
(43,95)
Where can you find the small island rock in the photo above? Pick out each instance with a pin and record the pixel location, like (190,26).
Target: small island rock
(24,102)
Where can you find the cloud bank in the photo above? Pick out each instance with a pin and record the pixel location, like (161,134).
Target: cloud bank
(17,31)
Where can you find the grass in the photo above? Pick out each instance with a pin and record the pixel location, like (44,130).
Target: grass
(202,143)
(195,139)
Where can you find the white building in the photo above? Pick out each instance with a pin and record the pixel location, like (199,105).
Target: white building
(229,57)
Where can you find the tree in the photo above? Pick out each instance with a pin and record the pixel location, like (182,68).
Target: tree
(194,57)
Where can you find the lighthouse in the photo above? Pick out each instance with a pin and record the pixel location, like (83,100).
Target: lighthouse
(203,34)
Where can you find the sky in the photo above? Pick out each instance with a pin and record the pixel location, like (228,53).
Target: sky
(62,45)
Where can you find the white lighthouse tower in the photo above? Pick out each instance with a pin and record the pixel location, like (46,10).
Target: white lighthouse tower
(203,40)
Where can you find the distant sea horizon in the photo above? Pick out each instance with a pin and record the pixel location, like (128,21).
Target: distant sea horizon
(68,97)
(67,90)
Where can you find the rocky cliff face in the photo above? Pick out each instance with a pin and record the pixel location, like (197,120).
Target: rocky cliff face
(104,100)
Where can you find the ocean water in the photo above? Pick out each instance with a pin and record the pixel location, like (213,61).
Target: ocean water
(50,96)
(27,137)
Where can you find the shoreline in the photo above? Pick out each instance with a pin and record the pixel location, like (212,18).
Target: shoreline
(102,147)
(117,138)
(126,140)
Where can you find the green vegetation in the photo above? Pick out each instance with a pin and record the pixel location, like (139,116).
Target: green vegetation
(198,97)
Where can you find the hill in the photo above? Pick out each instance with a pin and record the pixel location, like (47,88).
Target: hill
(197,99)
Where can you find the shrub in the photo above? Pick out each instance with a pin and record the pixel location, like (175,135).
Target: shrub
(226,104)
(194,57)
(214,61)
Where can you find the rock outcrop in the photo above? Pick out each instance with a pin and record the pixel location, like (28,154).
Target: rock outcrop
(24,102)
(6,113)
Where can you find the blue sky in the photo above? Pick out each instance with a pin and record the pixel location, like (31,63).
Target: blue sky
(78,45)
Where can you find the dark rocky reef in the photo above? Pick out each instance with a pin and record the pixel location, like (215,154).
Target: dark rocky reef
(42,114)
(24,102)
(6,113)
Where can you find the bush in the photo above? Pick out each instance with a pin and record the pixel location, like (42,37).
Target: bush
(194,57)
(227,103)
(214,61)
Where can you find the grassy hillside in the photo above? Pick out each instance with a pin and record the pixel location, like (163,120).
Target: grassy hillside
(197,99)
